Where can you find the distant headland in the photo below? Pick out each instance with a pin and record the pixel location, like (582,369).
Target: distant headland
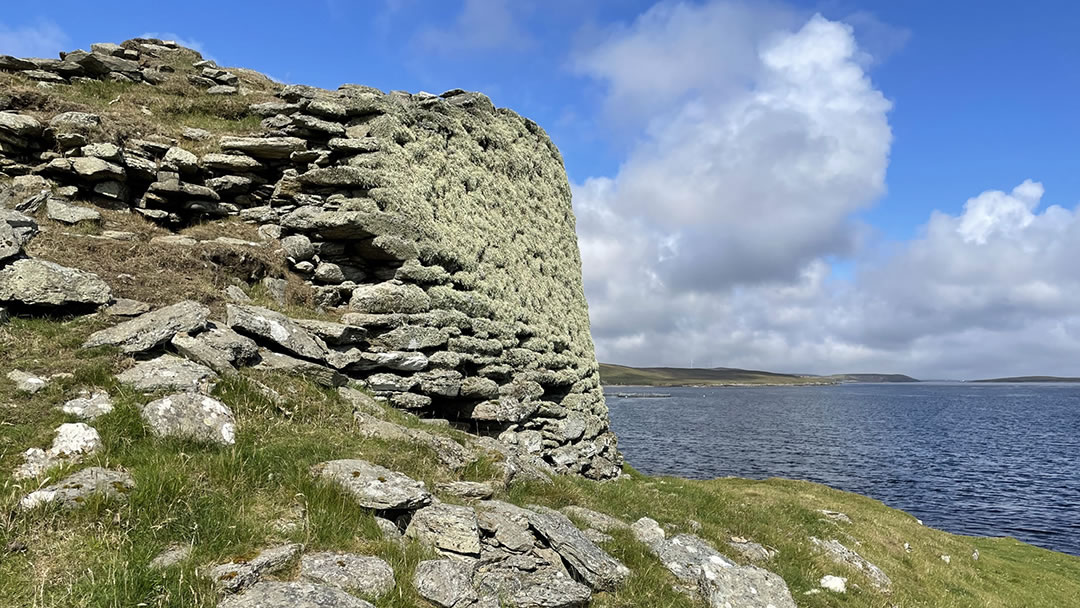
(622,375)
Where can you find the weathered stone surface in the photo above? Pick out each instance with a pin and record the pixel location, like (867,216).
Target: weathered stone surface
(75,489)
(293,595)
(321,374)
(600,521)
(191,416)
(93,168)
(359,573)
(333,333)
(590,563)
(373,486)
(239,163)
(39,283)
(547,588)
(751,551)
(271,326)
(124,307)
(26,382)
(390,382)
(19,125)
(153,328)
(475,387)
(181,160)
(840,554)
(685,555)
(412,337)
(89,405)
(389,297)
(451,529)
(236,576)
(70,214)
(264,147)
(505,525)
(219,348)
(745,586)
(298,247)
(72,442)
(446,583)
(167,372)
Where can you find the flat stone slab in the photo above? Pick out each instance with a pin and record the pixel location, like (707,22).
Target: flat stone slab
(271,326)
(542,589)
(360,573)
(72,491)
(745,587)
(373,486)
(232,577)
(191,416)
(587,561)
(271,361)
(451,529)
(468,489)
(152,329)
(293,595)
(219,348)
(167,372)
(70,214)
(88,405)
(39,283)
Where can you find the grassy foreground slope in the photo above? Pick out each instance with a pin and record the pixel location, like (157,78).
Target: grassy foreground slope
(226,502)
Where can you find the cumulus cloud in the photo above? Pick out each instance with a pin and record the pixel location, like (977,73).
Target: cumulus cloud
(759,136)
(482,25)
(44,39)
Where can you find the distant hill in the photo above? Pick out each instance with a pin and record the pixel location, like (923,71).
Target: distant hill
(676,376)
(611,374)
(874,378)
(1015,379)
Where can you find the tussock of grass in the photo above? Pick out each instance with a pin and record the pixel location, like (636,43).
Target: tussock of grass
(229,502)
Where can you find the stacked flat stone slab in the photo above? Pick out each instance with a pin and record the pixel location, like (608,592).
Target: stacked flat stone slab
(438,227)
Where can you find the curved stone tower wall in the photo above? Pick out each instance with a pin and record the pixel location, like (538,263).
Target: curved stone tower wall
(437,226)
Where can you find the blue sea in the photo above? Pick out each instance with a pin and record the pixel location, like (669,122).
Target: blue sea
(978,459)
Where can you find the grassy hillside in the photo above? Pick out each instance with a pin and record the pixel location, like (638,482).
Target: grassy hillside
(676,376)
(225,502)
(873,378)
(1031,379)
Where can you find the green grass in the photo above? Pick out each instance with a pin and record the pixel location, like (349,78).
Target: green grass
(227,502)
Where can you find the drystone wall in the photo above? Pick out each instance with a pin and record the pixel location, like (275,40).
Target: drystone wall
(438,227)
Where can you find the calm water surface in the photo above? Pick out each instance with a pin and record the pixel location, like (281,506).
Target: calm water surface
(981,459)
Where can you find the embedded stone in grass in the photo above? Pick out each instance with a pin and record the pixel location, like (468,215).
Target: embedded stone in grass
(39,283)
(75,489)
(743,586)
(446,582)
(70,214)
(235,576)
(72,442)
(26,382)
(170,556)
(191,416)
(167,372)
(750,550)
(373,486)
(152,329)
(293,595)
(274,327)
(836,584)
(600,521)
(840,554)
(360,573)
(451,529)
(590,563)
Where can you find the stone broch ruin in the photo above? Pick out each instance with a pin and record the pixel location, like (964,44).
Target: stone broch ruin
(434,235)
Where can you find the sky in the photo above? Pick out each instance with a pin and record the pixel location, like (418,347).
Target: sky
(806,187)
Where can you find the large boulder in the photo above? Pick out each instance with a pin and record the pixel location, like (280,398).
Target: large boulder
(191,416)
(359,573)
(587,561)
(270,594)
(73,491)
(373,486)
(273,327)
(745,587)
(153,328)
(34,282)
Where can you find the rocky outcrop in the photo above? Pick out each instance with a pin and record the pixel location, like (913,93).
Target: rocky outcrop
(437,229)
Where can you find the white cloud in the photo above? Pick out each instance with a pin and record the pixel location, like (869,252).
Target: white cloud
(758,138)
(482,25)
(44,39)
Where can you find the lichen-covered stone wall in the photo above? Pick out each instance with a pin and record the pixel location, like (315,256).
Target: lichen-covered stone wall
(437,227)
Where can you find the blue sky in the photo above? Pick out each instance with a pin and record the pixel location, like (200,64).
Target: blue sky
(950,102)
